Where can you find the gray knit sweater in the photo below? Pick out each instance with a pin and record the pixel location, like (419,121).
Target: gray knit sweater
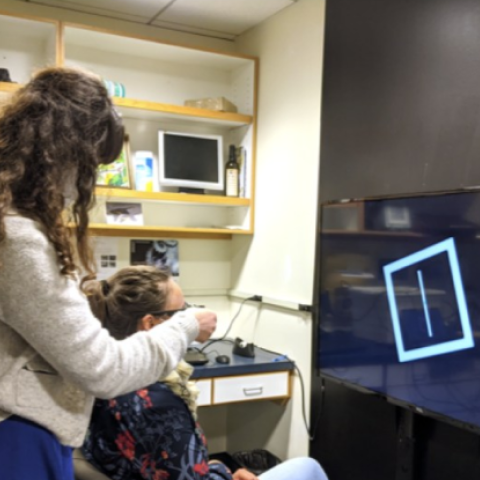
(54,354)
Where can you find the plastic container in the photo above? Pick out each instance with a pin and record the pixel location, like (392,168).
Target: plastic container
(115,89)
(144,171)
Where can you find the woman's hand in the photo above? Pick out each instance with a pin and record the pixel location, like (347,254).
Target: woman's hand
(244,474)
(207,323)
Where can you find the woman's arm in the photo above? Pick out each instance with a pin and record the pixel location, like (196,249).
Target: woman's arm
(51,314)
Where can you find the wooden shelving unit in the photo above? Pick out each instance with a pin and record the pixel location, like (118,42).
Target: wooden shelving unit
(158,77)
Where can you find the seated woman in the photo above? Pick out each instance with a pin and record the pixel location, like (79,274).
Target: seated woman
(152,433)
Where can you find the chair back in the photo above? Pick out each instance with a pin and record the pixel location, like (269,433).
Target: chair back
(84,470)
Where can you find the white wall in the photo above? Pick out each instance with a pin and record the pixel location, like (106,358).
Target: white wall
(290,47)
(279,261)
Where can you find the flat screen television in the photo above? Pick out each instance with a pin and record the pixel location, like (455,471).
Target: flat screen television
(191,162)
(399,301)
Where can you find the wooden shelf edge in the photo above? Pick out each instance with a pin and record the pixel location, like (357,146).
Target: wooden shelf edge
(8,87)
(181,110)
(178,110)
(154,232)
(104,230)
(219,200)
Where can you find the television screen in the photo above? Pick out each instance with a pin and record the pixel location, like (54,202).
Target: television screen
(399,306)
(191,160)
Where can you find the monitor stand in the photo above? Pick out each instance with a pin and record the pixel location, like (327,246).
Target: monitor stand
(405,444)
(197,191)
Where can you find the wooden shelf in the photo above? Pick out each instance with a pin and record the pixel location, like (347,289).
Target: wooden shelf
(145,110)
(104,230)
(8,87)
(108,230)
(185,198)
(141,109)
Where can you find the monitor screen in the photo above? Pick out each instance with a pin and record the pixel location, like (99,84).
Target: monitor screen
(399,306)
(191,160)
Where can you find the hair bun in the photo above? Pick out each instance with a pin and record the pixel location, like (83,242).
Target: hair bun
(105,287)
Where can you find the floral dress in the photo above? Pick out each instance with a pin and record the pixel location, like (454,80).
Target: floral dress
(149,434)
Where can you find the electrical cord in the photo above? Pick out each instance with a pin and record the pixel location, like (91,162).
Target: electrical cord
(213,352)
(223,337)
(312,430)
(311,434)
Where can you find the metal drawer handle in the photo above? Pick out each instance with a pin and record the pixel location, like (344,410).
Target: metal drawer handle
(253,391)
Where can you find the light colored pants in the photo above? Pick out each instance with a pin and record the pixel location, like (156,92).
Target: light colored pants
(303,468)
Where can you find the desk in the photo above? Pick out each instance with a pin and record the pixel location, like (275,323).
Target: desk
(243,379)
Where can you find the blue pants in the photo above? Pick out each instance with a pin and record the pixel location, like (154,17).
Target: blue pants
(302,468)
(30,452)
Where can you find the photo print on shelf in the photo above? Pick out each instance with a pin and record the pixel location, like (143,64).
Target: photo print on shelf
(124,213)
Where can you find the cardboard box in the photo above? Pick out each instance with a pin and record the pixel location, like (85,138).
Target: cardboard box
(219,104)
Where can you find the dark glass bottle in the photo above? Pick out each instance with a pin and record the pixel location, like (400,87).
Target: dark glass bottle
(232,174)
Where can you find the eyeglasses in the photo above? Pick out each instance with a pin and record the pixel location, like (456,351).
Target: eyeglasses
(170,313)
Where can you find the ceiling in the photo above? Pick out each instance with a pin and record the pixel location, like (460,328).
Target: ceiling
(213,18)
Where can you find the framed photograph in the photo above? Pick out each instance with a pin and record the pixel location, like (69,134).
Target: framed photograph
(119,213)
(117,174)
(162,254)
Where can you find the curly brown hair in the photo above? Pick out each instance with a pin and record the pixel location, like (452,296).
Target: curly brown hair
(60,125)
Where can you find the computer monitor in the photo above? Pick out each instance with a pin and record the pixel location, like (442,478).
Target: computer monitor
(191,162)
(399,302)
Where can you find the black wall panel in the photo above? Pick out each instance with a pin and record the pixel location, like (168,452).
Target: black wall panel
(401,99)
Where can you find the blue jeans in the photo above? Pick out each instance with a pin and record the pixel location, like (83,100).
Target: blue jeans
(30,452)
(303,468)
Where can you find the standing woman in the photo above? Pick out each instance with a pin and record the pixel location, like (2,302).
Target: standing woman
(54,354)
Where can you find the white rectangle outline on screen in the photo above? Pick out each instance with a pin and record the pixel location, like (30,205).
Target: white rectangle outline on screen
(441,348)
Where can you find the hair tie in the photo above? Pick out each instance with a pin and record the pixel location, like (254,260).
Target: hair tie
(105,287)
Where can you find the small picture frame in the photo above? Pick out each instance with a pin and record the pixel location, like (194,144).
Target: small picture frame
(122,213)
(117,174)
(162,254)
